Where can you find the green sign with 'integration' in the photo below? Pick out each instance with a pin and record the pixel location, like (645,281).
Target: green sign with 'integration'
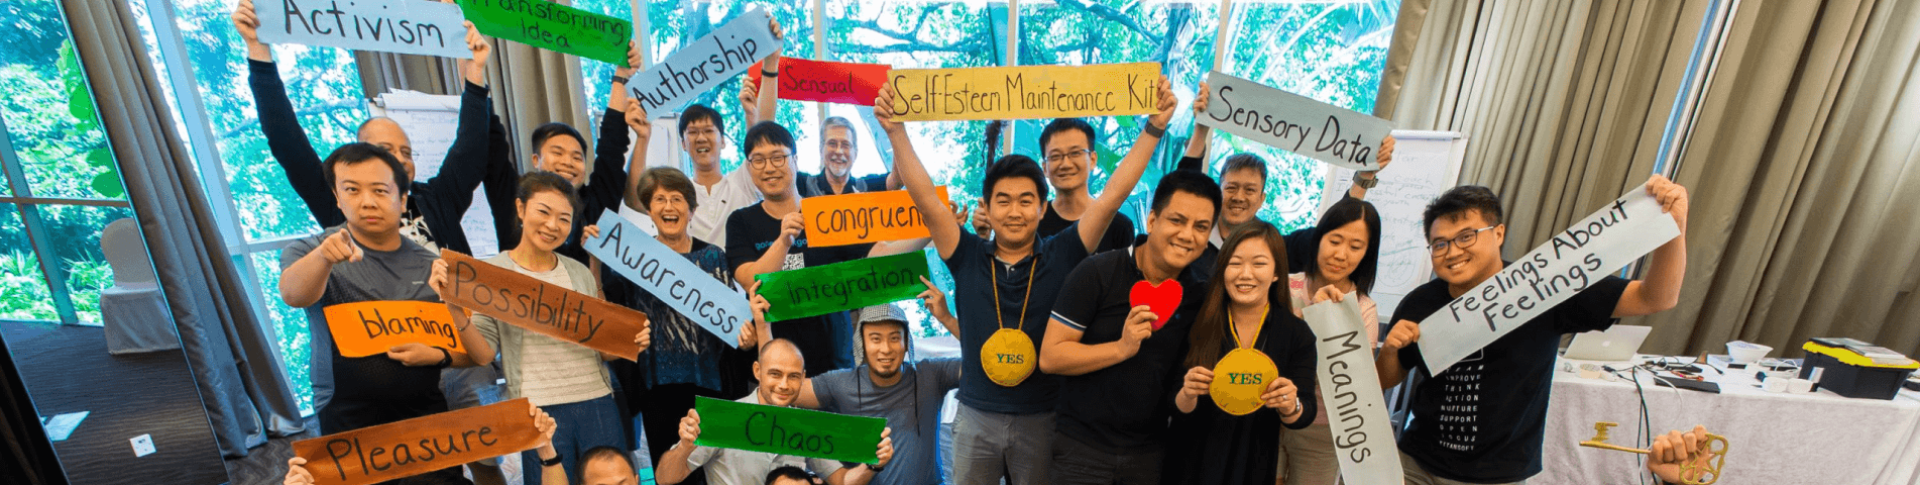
(552,26)
(789,431)
(853,284)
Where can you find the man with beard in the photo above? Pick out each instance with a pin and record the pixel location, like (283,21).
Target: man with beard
(838,148)
(907,394)
(781,370)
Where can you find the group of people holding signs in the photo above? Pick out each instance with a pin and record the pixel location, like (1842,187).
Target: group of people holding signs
(709,339)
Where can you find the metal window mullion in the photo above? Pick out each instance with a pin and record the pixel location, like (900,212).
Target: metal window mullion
(206,152)
(36,228)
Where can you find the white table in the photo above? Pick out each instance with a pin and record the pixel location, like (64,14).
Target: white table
(1776,439)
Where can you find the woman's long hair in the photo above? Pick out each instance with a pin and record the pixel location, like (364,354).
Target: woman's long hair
(1210,331)
(1344,212)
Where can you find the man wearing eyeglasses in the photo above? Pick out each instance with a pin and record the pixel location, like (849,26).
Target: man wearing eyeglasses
(839,147)
(1483,420)
(1070,154)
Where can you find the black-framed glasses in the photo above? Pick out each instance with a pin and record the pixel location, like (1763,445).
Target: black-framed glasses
(1076,154)
(1463,241)
(766,161)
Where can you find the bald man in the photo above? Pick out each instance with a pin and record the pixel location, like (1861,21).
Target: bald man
(781,371)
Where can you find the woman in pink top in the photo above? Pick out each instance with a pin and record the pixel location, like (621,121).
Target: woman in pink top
(1349,255)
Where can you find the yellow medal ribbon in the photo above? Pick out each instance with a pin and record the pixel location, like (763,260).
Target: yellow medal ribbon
(1243,374)
(1008,357)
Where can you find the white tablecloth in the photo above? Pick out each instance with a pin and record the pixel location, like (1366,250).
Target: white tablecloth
(137,320)
(1775,439)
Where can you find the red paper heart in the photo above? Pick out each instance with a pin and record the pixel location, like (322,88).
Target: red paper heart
(1163,299)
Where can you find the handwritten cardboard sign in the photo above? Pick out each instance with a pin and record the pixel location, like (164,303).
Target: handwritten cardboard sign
(1356,411)
(788,431)
(982,93)
(406,27)
(859,283)
(705,63)
(371,327)
(406,448)
(542,307)
(665,274)
(1621,232)
(839,220)
(552,26)
(828,82)
(1294,123)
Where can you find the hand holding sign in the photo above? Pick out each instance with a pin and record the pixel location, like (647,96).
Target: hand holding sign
(638,120)
(1672,198)
(1162,299)
(1282,396)
(1138,327)
(475,69)
(1404,333)
(1198,382)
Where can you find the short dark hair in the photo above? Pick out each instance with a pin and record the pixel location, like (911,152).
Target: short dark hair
(602,452)
(1245,161)
(544,181)
(1340,214)
(1189,181)
(791,472)
(656,178)
(697,112)
(548,131)
(766,132)
(1013,165)
(1060,125)
(358,152)
(1457,201)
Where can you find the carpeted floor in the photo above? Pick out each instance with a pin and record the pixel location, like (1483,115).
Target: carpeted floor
(67,369)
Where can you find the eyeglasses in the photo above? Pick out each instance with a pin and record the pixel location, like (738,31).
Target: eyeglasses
(1076,154)
(1463,241)
(768,161)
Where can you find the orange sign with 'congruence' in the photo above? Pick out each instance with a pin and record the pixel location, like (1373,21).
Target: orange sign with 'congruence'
(839,220)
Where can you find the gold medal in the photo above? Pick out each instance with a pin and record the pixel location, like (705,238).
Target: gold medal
(1008,357)
(1243,374)
(1239,379)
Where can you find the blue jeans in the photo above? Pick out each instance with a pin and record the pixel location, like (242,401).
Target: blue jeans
(582,426)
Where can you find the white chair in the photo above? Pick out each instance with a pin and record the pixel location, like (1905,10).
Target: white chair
(133,312)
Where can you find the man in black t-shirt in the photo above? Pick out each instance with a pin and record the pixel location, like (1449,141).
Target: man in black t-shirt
(1482,420)
(1068,146)
(1003,289)
(1121,373)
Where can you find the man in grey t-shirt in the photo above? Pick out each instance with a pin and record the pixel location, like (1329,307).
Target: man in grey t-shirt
(907,394)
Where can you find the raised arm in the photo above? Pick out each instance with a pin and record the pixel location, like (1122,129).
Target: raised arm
(673,466)
(607,186)
(466,165)
(286,140)
(1197,144)
(1384,157)
(637,166)
(1659,290)
(767,106)
(941,225)
(1093,223)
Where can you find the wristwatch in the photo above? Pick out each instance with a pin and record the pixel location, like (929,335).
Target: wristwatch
(555,461)
(876,468)
(619,79)
(1366,182)
(446,358)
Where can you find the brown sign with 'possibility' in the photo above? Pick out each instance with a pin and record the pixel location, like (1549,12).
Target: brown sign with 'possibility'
(411,447)
(539,306)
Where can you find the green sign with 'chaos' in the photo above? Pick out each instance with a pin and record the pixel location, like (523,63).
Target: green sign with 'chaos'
(853,284)
(789,431)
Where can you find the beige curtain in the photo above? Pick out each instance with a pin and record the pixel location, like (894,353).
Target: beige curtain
(532,87)
(1563,101)
(232,354)
(1804,168)
(381,72)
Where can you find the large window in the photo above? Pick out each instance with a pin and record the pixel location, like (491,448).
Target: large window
(60,187)
(196,49)
(1332,52)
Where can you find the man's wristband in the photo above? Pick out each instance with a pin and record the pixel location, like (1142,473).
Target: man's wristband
(619,79)
(555,461)
(1154,131)
(446,358)
(766,73)
(876,468)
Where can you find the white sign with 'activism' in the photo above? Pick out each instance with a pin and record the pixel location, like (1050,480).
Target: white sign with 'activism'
(1630,227)
(401,26)
(1356,411)
(669,276)
(704,64)
(1295,123)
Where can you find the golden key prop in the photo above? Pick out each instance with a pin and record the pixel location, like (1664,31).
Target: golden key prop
(1693,472)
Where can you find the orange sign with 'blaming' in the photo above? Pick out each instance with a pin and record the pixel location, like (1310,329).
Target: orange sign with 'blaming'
(371,327)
